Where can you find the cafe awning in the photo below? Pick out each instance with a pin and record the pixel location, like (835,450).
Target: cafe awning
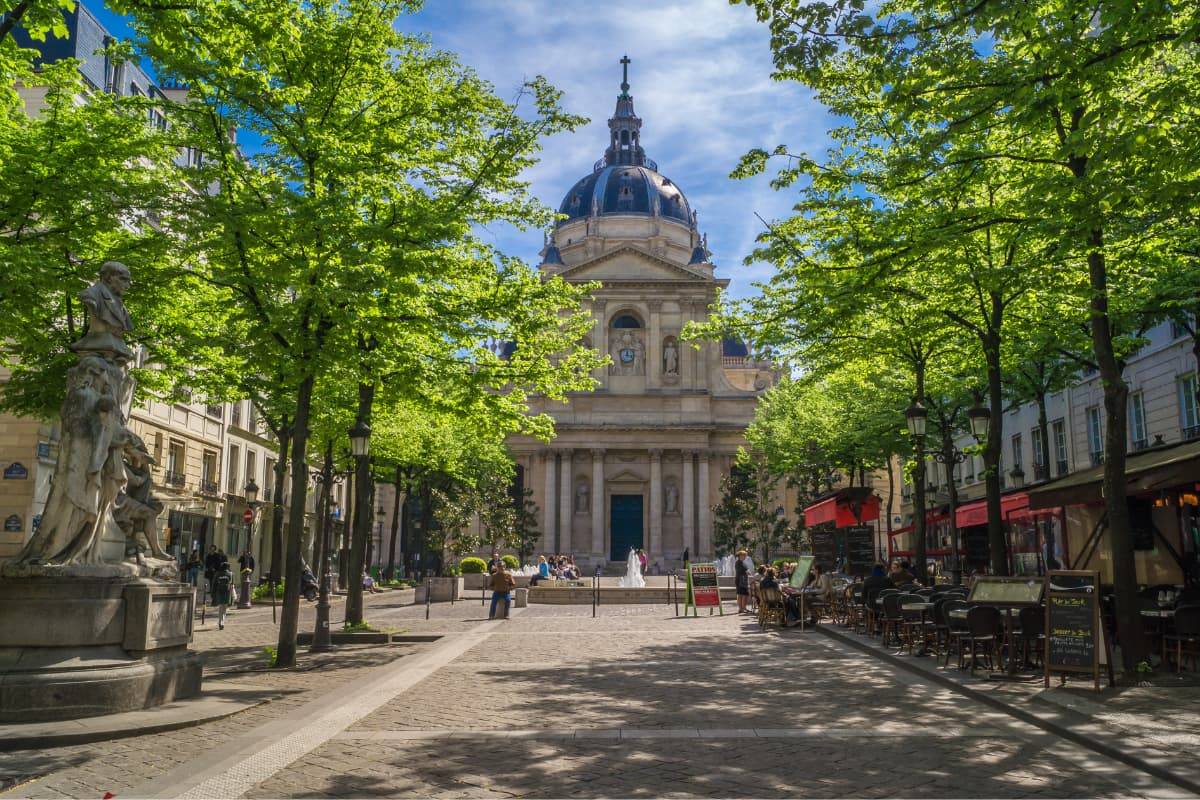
(1147,471)
(1013,504)
(839,508)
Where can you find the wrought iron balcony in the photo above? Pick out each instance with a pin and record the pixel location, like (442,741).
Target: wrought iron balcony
(1140,444)
(1040,473)
(208,487)
(174,478)
(1192,432)
(1061,467)
(1097,459)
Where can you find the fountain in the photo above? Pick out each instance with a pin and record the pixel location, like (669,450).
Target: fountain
(725,566)
(633,572)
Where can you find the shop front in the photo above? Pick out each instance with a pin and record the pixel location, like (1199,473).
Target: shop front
(1163,489)
(842,531)
(1035,536)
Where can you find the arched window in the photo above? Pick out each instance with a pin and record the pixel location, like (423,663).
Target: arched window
(624,137)
(626,321)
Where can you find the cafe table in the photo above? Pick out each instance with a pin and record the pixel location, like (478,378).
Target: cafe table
(922,607)
(1010,636)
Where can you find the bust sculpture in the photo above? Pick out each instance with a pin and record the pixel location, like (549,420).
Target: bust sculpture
(108,319)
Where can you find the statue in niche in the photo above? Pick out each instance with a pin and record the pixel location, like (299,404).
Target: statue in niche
(672,499)
(670,358)
(101,490)
(581,497)
(628,354)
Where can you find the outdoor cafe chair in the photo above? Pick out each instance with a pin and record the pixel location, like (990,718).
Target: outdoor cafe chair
(985,625)
(913,626)
(940,625)
(955,628)
(892,619)
(875,609)
(1187,631)
(1033,634)
(770,607)
(856,611)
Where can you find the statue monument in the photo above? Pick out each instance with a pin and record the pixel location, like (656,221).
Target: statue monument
(92,617)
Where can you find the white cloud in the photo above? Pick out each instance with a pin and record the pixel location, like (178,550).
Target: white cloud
(701,81)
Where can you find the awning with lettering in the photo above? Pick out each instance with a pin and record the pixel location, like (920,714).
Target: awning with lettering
(839,508)
(1146,472)
(1014,504)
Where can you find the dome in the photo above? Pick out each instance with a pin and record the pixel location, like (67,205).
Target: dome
(733,347)
(626,189)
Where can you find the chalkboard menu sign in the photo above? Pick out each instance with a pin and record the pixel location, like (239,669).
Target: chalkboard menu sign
(860,549)
(824,547)
(702,589)
(1074,635)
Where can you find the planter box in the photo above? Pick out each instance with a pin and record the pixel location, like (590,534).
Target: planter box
(442,590)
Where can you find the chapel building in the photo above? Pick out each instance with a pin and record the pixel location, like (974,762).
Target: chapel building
(638,462)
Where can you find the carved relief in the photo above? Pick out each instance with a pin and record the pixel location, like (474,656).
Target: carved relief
(628,353)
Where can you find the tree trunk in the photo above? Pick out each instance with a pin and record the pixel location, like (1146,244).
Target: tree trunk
(362,515)
(290,616)
(1116,394)
(369,560)
(391,561)
(284,436)
(891,470)
(424,563)
(344,539)
(997,544)
(948,456)
(919,487)
(1044,427)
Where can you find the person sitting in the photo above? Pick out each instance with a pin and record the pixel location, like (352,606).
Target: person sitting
(769,579)
(901,574)
(369,584)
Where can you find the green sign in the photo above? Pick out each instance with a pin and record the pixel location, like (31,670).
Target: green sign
(800,575)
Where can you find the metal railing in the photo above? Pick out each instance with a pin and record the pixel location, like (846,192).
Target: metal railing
(1040,473)
(1191,432)
(174,478)
(1061,468)
(1140,444)
(208,487)
(1097,459)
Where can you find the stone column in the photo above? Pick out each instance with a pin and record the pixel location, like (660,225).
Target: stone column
(566,505)
(548,527)
(598,503)
(654,346)
(600,339)
(704,537)
(655,547)
(689,502)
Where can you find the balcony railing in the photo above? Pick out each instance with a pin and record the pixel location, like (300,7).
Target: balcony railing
(1040,473)
(1061,467)
(1140,444)
(1097,459)
(208,487)
(174,478)
(1192,432)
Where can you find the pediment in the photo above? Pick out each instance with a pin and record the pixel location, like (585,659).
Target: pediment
(627,476)
(629,263)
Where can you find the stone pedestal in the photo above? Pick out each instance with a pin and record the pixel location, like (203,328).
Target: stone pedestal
(80,647)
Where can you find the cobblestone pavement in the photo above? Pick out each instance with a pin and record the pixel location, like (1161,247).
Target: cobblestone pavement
(635,703)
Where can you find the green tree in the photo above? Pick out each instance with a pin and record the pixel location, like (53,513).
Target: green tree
(748,515)
(346,246)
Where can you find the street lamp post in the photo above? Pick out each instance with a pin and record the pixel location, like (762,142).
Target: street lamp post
(360,448)
(952,458)
(251,490)
(322,641)
(916,416)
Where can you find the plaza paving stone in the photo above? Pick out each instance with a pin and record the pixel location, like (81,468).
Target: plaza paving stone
(553,703)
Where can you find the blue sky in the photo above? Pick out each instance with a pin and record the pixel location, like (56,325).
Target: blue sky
(701,82)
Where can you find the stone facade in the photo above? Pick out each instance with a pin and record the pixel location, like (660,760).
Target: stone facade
(664,424)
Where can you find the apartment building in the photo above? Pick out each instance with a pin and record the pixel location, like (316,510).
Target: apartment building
(1054,510)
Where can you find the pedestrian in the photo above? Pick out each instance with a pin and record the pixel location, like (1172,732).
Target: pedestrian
(212,563)
(194,567)
(495,560)
(245,562)
(741,582)
(222,593)
(502,584)
(642,560)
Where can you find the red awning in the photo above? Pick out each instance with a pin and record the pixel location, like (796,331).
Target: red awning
(839,510)
(1014,505)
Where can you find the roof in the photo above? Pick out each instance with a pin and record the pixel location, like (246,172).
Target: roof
(1146,471)
(625,189)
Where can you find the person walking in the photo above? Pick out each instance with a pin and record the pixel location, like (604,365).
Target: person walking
(223,593)
(502,584)
(212,565)
(741,582)
(194,567)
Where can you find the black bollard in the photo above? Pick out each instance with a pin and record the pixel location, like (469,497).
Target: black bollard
(428,594)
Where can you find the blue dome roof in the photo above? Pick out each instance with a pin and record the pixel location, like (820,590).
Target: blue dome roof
(732,347)
(626,189)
